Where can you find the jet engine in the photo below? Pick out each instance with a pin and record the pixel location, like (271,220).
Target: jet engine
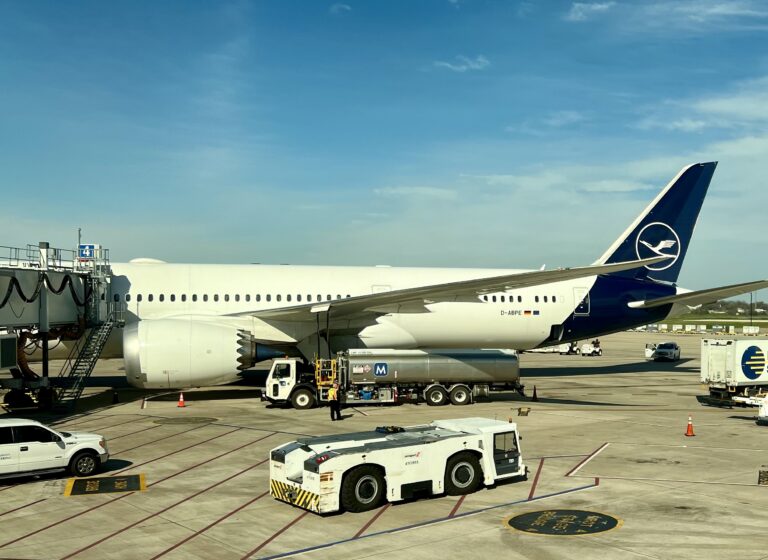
(179,353)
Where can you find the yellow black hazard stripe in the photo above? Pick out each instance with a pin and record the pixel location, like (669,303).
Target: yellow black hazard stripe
(294,495)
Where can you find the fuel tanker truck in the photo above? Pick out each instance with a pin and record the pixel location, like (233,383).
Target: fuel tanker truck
(389,376)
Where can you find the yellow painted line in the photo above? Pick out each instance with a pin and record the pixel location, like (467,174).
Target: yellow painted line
(142,482)
(68,488)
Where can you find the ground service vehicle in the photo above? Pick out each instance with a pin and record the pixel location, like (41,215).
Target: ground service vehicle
(591,349)
(28,447)
(669,351)
(387,376)
(357,472)
(735,367)
(761,403)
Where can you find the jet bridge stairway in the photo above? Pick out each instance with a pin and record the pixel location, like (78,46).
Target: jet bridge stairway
(81,362)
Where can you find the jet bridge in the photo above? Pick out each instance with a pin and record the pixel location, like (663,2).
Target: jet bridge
(48,294)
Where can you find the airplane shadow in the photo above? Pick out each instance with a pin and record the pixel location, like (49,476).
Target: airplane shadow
(637,367)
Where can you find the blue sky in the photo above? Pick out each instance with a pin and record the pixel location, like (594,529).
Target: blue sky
(437,133)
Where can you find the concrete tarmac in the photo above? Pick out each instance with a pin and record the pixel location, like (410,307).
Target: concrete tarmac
(606,435)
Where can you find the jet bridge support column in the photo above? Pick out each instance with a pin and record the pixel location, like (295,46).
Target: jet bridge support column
(45,326)
(45,394)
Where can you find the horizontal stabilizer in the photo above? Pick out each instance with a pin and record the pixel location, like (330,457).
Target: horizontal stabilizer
(702,296)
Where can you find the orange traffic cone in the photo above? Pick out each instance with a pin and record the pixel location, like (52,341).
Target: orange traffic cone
(181,401)
(689,431)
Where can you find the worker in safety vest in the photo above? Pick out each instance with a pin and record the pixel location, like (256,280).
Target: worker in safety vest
(333,399)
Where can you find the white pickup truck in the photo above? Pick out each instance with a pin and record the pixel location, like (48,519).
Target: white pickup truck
(28,448)
(357,472)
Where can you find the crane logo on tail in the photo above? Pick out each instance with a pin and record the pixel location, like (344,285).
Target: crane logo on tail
(657,239)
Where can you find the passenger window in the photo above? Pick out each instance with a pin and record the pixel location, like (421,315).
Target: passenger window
(237,297)
(279,297)
(536,299)
(504,443)
(493,298)
(6,436)
(205,297)
(329,297)
(288,297)
(194,297)
(349,296)
(545,299)
(173,297)
(226,297)
(215,297)
(554,299)
(298,297)
(161,297)
(138,297)
(183,297)
(309,298)
(150,297)
(25,434)
(258,297)
(116,297)
(338,296)
(127,297)
(319,297)
(519,299)
(269,297)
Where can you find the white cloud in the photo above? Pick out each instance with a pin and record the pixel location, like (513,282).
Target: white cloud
(743,107)
(464,63)
(582,11)
(339,8)
(553,120)
(560,119)
(704,11)
(418,192)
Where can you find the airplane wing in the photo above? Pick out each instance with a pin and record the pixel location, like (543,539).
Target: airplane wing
(702,296)
(414,300)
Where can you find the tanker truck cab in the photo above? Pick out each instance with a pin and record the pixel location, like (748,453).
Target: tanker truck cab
(289,381)
(359,471)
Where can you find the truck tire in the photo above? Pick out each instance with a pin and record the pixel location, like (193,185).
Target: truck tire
(460,395)
(436,396)
(84,463)
(362,489)
(462,474)
(302,399)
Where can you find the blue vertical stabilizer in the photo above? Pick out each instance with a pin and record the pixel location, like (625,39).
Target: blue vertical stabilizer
(665,226)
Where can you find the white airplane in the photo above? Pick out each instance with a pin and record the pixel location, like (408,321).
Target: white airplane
(195,324)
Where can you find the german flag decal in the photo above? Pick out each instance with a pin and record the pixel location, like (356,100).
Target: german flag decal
(294,495)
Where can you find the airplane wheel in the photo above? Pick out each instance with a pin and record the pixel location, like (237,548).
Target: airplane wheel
(436,396)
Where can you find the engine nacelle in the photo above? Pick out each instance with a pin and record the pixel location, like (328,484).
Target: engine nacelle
(179,353)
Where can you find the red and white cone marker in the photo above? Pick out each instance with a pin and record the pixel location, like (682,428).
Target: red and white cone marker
(689,430)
